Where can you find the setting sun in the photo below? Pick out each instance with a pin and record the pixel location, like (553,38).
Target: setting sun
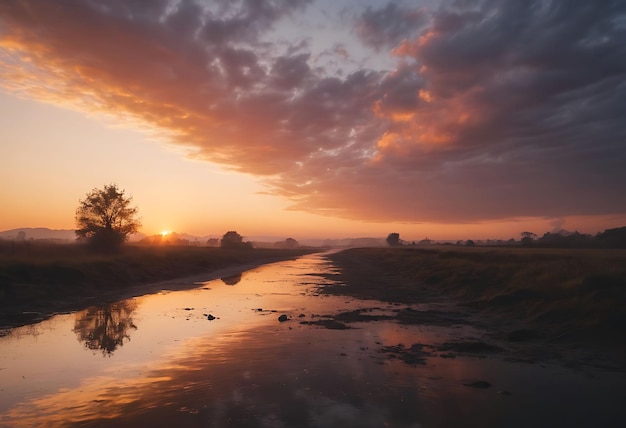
(165,233)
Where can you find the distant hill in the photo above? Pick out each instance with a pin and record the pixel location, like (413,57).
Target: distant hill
(39,233)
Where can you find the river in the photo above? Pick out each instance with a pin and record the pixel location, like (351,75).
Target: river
(218,356)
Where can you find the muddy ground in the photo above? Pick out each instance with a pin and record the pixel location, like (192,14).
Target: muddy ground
(512,332)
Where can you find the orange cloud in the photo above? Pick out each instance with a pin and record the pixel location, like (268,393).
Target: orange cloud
(475,110)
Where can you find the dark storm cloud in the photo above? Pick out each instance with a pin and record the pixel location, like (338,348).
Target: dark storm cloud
(495,109)
(388,26)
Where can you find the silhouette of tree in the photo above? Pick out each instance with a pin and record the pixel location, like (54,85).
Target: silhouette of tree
(470,243)
(613,238)
(232,239)
(213,242)
(527,238)
(105,328)
(287,243)
(105,218)
(393,239)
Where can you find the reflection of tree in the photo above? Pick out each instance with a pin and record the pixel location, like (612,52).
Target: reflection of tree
(105,328)
(231,280)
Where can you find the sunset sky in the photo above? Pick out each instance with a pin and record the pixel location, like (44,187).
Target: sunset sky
(317,118)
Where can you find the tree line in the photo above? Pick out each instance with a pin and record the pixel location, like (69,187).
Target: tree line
(610,238)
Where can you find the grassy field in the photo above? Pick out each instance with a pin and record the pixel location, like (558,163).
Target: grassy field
(40,277)
(562,292)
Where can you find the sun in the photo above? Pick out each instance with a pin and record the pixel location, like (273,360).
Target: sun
(165,233)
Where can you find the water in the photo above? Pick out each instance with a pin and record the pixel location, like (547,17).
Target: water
(158,360)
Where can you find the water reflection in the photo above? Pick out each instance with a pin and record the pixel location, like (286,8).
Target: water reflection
(283,378)
(247,369)
(105,328)
(231,280)
(254,380)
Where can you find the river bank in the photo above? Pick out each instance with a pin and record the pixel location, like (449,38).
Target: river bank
(40,281)
(543,304)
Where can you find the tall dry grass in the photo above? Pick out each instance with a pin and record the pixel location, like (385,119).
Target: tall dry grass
(562,288)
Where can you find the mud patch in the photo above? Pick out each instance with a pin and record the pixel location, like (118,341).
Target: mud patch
(413,356)
(470,347)
(430,317)
(362,315)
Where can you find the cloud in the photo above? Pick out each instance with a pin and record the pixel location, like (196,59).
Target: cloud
(388,26)
(493,110)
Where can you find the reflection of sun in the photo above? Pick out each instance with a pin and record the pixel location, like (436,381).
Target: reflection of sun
(165,233)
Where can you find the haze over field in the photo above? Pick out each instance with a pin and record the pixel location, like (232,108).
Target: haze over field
(317,118)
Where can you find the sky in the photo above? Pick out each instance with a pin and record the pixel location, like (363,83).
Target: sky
(314,118)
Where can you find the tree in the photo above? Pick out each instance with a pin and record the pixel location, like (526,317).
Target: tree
(393,239)
(232,239)
(527,238)
(288,243)
(105,218)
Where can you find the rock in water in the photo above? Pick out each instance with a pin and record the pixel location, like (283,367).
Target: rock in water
(283,318)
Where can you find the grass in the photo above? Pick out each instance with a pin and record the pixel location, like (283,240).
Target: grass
(36,276)
(561,290)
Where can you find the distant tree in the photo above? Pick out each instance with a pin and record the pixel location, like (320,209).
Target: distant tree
(470,243)
(291,243)
(612,238)
(393,239)
(527,238)
(565,240)
(232,239)
(287,243)
(105,218)
(213,242)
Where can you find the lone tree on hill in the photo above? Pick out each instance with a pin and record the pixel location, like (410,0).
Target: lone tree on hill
(232,239)
(105,218)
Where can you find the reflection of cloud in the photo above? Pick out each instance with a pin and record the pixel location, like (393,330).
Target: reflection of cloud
(240,382)
(494,110)
(389,25)
(105,328)
(102,398)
